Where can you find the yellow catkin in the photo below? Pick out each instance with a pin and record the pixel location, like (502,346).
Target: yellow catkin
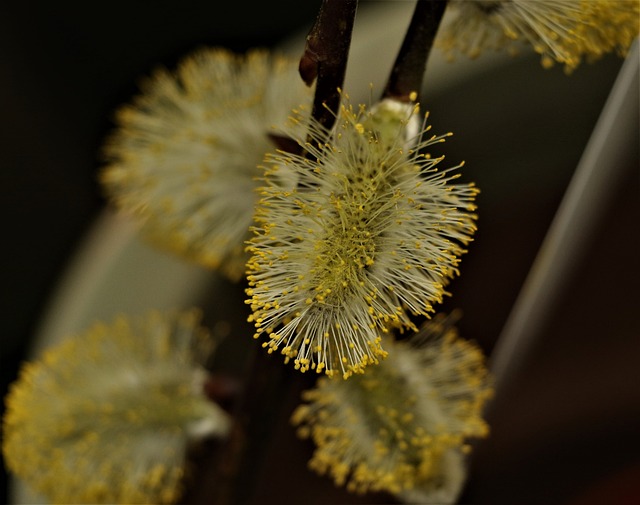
(372,234)
(561,31)
(105,417)
(185,152)
(401,427)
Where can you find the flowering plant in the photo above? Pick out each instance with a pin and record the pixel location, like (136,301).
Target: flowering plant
(347,226)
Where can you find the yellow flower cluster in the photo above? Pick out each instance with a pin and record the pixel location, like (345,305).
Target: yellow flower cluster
(563,31)
(105,417)
(371,234)
(401,427)
(184,156)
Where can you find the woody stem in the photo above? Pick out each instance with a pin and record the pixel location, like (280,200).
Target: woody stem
(405,81)
(325,57)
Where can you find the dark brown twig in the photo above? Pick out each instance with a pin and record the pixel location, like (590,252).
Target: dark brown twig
(227,471)
(325,56)
(406,76)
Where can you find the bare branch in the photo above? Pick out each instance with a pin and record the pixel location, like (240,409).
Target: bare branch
(325,56)
(405,80)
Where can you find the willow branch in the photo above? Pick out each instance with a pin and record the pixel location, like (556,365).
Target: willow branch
(325,57)
(408,70)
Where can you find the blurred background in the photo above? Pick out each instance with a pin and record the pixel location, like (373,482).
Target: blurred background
(568,429)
